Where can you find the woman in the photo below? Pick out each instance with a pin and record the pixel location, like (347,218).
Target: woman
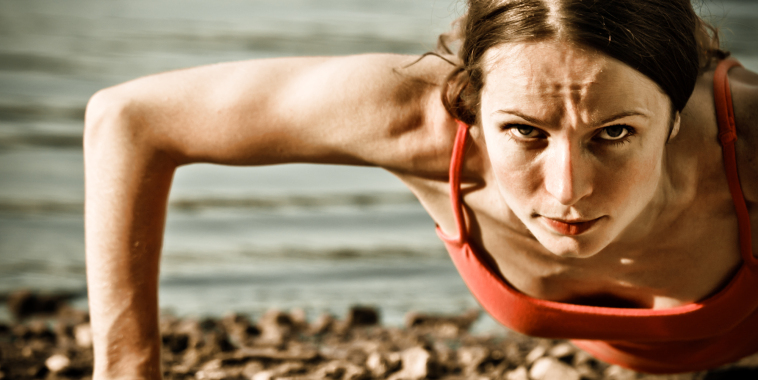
(577,141)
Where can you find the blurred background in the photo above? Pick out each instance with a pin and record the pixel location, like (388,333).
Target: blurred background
(320,238)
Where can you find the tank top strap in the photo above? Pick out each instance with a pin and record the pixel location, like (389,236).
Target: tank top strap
(456,165)
(727,136)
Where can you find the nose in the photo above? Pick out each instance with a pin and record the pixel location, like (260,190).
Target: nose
(568,176)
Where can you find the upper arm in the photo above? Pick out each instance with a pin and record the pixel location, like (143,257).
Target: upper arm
(361,110)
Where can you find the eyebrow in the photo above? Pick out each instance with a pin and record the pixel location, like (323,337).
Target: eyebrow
(610,119)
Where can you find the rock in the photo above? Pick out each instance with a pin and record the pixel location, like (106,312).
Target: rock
(217,342)
(212,370)
(64,333)
(323,324)
(176,342)
(299,318)
(275,327)
(471,357)
(443,326)
(416,364)
(394,360)
(519,373)
(534,354)
(548,368)
(37,371)
(251,369)
(267,353)
(57,363)
(211,364)
(615,372)
(376,364)
(282,370)
(338,369)
(21,303)
(561,350)
(24,303)
(331,370)
(193,330)
(362,316)
(211,374)
(72,316)
(354,372)
(587,372)
(241,331)
(581,357)
(380,364)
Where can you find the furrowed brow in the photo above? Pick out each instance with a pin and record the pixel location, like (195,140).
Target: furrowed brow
(621,116)
(607,120)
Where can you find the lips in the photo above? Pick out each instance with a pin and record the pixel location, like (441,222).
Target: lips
(569,228)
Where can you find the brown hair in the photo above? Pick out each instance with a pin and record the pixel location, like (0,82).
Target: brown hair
(663,39)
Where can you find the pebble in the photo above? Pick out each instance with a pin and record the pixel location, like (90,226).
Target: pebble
(615,372)
(377,364)
(561,350)
(471,357)
(276,327)
(57,363)
(520,373)
(362,316)
(322,324)
(548,368)
(534,354)
(415,364)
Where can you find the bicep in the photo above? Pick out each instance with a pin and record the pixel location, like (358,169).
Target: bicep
(346,110)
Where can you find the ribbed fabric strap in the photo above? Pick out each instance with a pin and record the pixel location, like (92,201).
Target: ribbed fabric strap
(728,135)
(455,179)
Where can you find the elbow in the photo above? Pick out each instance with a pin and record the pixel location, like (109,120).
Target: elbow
(118,122)
(107,117)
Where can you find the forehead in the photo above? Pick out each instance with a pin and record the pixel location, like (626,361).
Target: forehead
(551,76)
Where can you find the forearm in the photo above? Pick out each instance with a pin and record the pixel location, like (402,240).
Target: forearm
(127,184)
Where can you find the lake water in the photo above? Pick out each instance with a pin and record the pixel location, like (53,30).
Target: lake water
(243,239)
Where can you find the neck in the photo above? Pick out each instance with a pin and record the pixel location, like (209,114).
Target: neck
(661,211)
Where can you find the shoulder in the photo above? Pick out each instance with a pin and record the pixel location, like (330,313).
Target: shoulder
(699,135)
(425,131)
(744,86)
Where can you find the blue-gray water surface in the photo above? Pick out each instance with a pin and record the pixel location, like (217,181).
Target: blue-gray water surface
(237,239)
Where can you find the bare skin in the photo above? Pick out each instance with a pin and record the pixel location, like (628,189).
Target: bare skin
(369,110)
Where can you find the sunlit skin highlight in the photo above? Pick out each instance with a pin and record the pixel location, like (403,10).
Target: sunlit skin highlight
(576,142)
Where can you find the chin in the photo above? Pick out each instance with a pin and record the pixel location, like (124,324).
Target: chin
(578,247)
(570,252)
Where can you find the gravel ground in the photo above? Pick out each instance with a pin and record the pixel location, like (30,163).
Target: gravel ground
(50,340)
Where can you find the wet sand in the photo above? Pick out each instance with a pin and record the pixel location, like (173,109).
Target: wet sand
(51,340)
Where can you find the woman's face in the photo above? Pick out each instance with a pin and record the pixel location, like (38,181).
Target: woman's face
(576,142)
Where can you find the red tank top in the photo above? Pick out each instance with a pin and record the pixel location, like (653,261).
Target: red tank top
(718,330)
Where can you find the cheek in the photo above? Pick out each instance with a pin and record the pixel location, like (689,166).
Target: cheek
(631,181)
(518,176)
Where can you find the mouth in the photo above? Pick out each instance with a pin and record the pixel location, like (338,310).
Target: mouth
(569,227)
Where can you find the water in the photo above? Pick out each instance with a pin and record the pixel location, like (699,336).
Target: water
(244,239)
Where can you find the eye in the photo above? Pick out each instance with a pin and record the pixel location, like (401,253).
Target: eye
(524,131)
(615,132)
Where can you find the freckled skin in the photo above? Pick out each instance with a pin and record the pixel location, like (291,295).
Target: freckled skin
(568,167)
